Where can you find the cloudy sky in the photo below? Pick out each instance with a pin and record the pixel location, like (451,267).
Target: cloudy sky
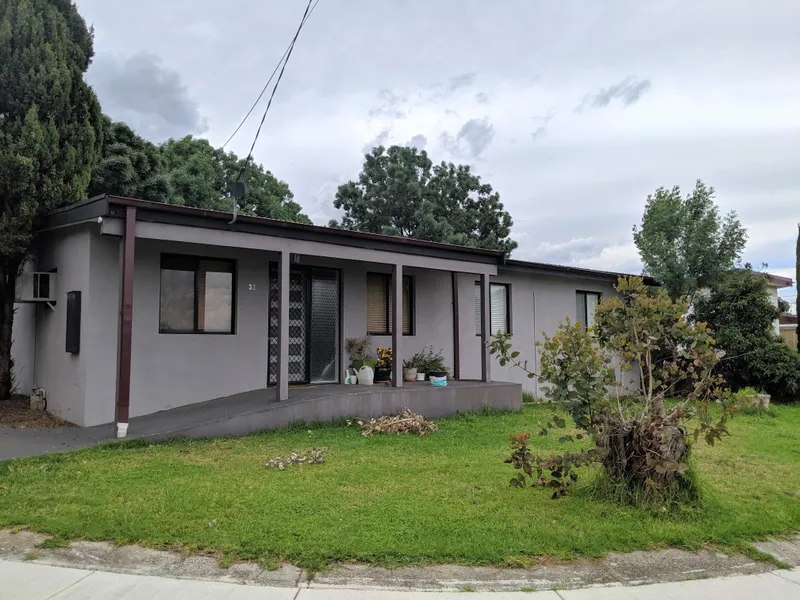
(574,111)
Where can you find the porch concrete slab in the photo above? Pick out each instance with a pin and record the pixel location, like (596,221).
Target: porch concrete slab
(101,586)
(257,410)
(30,582)
(787,550)
(764,587)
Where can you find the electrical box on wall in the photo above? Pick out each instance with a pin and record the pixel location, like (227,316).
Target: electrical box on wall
(73,333)
(35,286)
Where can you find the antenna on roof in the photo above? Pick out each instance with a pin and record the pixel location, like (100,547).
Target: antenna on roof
(237,193)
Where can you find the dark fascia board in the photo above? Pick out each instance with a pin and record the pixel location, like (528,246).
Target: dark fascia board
(560,270)
(170,214)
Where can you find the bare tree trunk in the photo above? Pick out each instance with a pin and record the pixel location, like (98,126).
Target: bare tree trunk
(8,275)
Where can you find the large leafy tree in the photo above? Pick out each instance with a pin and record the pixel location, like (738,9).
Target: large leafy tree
(130,166)
(684,242)
(189,172)
(401,192)
(50,132)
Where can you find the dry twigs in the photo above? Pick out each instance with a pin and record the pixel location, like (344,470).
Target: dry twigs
(406,422)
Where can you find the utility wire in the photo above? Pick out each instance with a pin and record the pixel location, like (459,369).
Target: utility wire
(283,58)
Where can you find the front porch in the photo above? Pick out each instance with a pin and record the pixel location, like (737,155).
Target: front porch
(258,410)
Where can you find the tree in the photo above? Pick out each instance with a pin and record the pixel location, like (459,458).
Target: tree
(797,284)
(741,315)
(684,243)
(642,445)
(130,166)
(189,172)
(400,192)
(50,132)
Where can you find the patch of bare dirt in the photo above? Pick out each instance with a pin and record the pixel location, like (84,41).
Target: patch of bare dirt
(16,413)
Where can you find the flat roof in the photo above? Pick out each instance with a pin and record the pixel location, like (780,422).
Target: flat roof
(107,205)
(549,268)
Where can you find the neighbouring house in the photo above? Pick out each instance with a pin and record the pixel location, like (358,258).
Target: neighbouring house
(156,306)
(788,330)
(775,283)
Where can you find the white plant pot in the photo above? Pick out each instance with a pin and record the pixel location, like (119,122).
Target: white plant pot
(410,374)
(420,376)
(365,375)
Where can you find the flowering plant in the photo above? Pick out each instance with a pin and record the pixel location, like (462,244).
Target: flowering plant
(384,358)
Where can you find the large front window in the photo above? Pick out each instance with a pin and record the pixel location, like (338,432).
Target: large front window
(197,295)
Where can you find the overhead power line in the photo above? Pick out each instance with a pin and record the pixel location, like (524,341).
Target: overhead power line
(275,70)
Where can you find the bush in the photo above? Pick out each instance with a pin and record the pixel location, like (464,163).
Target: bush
(741,314)
(642,445)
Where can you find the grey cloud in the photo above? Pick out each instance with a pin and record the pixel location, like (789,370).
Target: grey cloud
(542,124)
(571,251)
(146,95)
(390,105)
(419,142)
(482,98)
(628,91)
(379,140)
(460,81)
(472,139)
(538,132)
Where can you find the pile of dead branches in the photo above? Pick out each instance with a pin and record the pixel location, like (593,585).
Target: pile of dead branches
(406,422)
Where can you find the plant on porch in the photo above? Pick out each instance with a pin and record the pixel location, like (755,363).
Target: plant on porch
(642,447)
(383,367)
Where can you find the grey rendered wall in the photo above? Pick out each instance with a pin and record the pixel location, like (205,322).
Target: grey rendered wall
(170,370)
(538,304)
(433,316)
(63,375)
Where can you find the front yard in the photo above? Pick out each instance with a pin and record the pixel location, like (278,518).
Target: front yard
(392,499)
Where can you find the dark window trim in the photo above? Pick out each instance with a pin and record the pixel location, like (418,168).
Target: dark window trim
(192,262)
(508,306)
(582,318)
(411,303)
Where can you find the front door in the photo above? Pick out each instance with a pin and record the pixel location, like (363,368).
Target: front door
(313,325)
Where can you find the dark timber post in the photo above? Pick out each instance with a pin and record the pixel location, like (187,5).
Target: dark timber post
(486,320)
(284,270)
(125,325)
(397,325)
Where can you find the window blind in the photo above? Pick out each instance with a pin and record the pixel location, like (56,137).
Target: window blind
(377,303)
(498,308)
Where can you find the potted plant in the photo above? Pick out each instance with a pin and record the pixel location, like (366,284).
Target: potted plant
(410,369)
(430,363)
(363,364)
(437,371)
(383,368)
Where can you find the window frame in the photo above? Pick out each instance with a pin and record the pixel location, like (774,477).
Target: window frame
(507,287)
(192,262)
(411,302)
(581,318)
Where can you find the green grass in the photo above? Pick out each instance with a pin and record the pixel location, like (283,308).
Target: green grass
(393,500)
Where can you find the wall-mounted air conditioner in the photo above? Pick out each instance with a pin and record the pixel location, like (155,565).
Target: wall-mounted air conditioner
(33,286)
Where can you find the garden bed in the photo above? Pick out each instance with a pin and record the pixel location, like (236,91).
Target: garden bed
(441,498)
(16,413)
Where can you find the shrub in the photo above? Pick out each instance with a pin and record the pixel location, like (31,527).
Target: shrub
(642,447)
(740,313)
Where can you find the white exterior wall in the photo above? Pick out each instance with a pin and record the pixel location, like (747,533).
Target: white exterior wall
(773,295)
(61,374)
(22,347)
(538,304)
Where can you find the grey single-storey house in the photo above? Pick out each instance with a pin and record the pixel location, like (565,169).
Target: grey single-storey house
(156,306)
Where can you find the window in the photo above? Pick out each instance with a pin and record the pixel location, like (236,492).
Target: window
(379,304)
(499,302)
(587,304)
(197,295)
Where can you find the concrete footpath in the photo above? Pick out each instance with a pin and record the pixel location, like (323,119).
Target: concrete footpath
(26,581)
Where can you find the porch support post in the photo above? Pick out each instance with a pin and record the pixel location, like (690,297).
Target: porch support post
(486,319)
(397,325)
(282,383)
(123,399)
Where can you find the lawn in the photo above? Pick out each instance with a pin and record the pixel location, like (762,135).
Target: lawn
(392,499)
